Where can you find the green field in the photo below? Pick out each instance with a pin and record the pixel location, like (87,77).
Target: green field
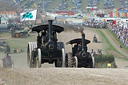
(14,42)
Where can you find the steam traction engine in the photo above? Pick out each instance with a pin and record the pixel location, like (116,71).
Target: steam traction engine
(46,49)
(79,56)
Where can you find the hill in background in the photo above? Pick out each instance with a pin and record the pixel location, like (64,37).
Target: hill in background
(84,4)
(10,5)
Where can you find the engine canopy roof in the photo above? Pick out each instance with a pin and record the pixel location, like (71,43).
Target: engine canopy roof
(78,40)
(56,28)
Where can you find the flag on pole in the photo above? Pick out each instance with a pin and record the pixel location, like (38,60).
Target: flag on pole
(25,16)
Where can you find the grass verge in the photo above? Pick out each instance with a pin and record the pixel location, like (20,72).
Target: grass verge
(18,43)
(117,40)
(109,45)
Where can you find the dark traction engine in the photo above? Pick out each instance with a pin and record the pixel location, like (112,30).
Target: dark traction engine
(46,49)
(79,56)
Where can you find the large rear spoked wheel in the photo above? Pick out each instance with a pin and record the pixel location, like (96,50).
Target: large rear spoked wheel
(39,58)
(71,61)
(31,54)
(34,59)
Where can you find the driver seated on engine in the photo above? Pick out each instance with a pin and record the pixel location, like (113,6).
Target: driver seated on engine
(77,48)
(74,49)
(44,36)
(80,47)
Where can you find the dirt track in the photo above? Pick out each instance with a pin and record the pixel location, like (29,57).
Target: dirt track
(21,75)
(62,76)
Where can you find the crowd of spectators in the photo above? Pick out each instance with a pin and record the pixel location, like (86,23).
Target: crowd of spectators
(92,23)
(121,32)
(119,29)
